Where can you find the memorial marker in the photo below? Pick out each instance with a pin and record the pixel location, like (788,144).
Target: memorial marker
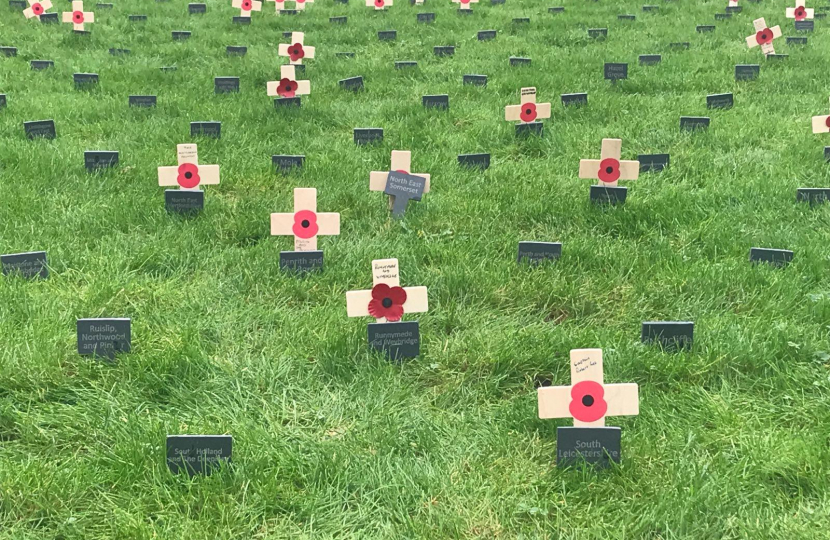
(406,64)
(95,160)
(378,4)
(465,4)
(297,51)
(615,71)
(364,136)
(225,85)
(245,7)
(719,101)
(813,195)
(671,336)
(694,123)
(800,12)
(188,175)
(574,99)
(235,50)
(747,72)
(194,9)
(305,224)
(78,17)
(653,162)
(598,32)
(40,128)
(426,17)
(103,337)
(387,35)
(288,88)
(444,50)
(39,65)
(8,52)
(474,161)
(650,59)
(821,124)
(487,35)
(352,83)
(37,8)
(206,129)
(519,61)
(763,36)
(398,182)
(439,101)
(286,164)
(535,253)
(775,257)
(299,5)
(608,170)
(476,80)
(796,40)
(29,265)
(704,28)
(181,35)
(527,113)
(198,454)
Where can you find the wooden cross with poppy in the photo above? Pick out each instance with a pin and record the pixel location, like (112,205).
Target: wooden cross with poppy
(465,4)
(799,12)
(305,224)
(588,400)
(36,9)
(401,162)
(609,169)
(296,52)
(299,5)
(733,3)
(821,124)
(78,16)
(763,36)
(529,110)
(245,7)
(188,174)
(387,301)
(378,4)
(288,86)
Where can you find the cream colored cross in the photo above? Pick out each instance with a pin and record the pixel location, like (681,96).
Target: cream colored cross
(609,169)
(821,124)
(733,3)
(806,13)
(465,4)
(188,174)
(529,110)
(763,36)
(378,4)
(386,271)
(37,8)
(303,88)
(299,5)
(588,404)
(401,162)
(78,16)
(245,7)
(290,50)
(305,224)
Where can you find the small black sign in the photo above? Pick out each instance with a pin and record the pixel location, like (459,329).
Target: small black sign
(734,9)
(608,194)
(530,128)
(104,6)
(49,18)
(692,123)
(300,68)
(597,32)
(352,83)
(464,11)
(496,2)
(519,61)
(813,195)
(827,153)
(804,26)
(796,40)
(596,446)
(168,69)
(404,187)
(671,336)
(614,72)
(184,201)
(225,85)
(207,129)
(680,45)
(85,79)
(388,35)
(574,99)
(198,454)
(649,9)
(95,160)
(650,59)
(719,101)
(103,337)
(701,28)
(440,101)
(397,340)
(538,252)
(138,18)
(777,56)
(521,20)
(119,52)
(18,4)
(39,65)
(40,128)
(344,55)
(775,257)
(406,64)
(301,262)
(445,50)
(236,50)
(477,80)
(247,20)
(747,72)
(3,100)
(556,9)
(82,32)
(626,17)
(426,17)
(27,265)
(288,102)
(486,35)
(8,51)
(817,16)
(368,135)
(653,162)
(286,163)
(474,161)
(181,35)
(281,12)
(142,101)
(196,8)
(338,20)
(722,16)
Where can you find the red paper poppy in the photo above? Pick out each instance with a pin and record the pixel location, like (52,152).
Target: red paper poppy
(764,36)
(587,403)
(188,175)
(609,170)
(295,52)
(37,9)
(387,302)
(800,13)
(465,1)
(827,121)
(77,17)
(528,113)
(246,5)
(280,1)
(301,1)
(305,224)
(379,3)
(287,87)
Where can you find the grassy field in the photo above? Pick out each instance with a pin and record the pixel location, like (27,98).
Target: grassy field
(334,442)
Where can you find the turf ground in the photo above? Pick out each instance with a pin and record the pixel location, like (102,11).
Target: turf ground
(333,442)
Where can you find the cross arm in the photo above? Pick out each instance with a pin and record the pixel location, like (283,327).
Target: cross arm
(820,124)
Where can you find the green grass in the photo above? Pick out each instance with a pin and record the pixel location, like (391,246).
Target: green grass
(332,441)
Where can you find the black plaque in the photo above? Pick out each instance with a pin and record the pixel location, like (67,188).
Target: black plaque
(650,59)
(734,9)
(184,201)
(406,64)
(615,71)
(338,20)
(49,18)
(18,4)
(775,257)
(804,26)
(720,101)
(225,85)
(813,195)
(722,16)
(653,162)
(143,101)
(287,34)
(693,123)
(300,68)
(702,28)
(344,55)
(496,2)
(574,99)
(817,16)
(538,252)
(3,101)
(206,129)
(680,45)
(168,69)
(388,35)
(181,35)
(671,335)
(595,446)
(288,102)
(521,20)
(103,337)
(85,80)
(119,52)
(39,65)
(368,135)
(27,265)
(487,35)
(476,80)
(474,161)
(626,17)
(247,20)
(236,50)
(519,61)
(440,101)
(747,72)
(827,153)
(556,9)
(530,128)
(397,340)
(444,50)
(403,188)
(285,164)
(608,194)
(426,17)
(777,56)
(95,160)
(40,128)
(196,8)
(8,51)
(352,83)
(198,454)
(796,40)
(598,32)
(650,9)
(104,6)
(301,262)
(138,18)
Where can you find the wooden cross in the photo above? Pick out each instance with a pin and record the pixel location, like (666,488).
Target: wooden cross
(378,4)
(588,400)
(245,7)
(78,16)
(299,5)
(733,3)
(529,110)
(401,162)
(763,36)
(609,169)
(188,175)
(799,12)
(288,86)
(305,224)
(296,51)
(37,8)
(821,124)
(465,4)
(387,301)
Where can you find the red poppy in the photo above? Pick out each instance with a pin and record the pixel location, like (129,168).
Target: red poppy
(301,1)
(188,175)
(296,52)
(827,121)
(379,3)
(77,17)
(287,87)
(387,302)
(305,224)
(587,403)
(280,1)
(609,170)
(528,113)
(37,9)
(800,13)
(246,5)
(465,1)
(764,36)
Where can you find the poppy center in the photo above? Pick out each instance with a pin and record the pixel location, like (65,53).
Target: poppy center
(387,303)
(78,16)
(609,170)
(37,9)
(188,175)
(528,111)
(305,223)
(587,400)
